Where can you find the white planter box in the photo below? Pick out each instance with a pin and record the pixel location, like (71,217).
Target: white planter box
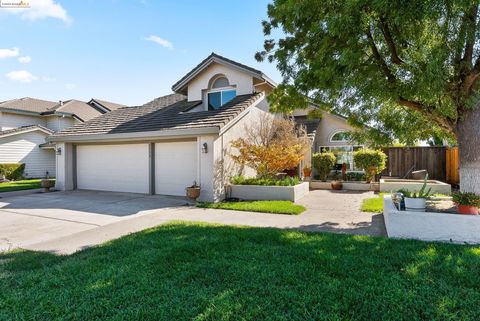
(393,185)
(260,192)
(429,226)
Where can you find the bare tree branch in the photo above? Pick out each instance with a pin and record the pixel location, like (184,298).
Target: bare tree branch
(390,76)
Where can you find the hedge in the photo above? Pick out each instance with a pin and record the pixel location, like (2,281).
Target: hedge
(323,163)
(12,172)
(371,161)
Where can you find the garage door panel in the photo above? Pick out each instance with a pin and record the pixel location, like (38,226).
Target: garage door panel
(175,167)
(118,168)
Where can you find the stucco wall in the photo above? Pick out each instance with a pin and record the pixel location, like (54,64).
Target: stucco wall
(329,125)
(242,81)
(10,121)
(23,148)
(224,166)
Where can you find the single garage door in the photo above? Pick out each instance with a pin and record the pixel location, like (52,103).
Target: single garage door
(175,167)
(116,168)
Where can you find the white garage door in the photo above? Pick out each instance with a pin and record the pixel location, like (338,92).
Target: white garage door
(175,167)
(116,168)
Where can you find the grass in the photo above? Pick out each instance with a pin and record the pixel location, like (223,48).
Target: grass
(274,207)
(373,204)
(208,272)
(20,185)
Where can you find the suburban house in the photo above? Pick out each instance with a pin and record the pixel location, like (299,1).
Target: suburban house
(26,122)
(177,140)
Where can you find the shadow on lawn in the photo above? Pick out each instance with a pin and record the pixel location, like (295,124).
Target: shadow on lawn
(209,272)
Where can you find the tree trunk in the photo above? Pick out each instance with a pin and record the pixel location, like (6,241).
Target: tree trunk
(468,136)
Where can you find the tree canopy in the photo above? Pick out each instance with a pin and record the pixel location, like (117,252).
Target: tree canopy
(409,67)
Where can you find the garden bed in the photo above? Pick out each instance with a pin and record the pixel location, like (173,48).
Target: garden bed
(264,192)
(348,185)
(412,185)
(430,226)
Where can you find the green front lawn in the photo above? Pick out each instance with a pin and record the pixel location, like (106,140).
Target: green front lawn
(373,204)
(20,185)
(209,272)
(274,207)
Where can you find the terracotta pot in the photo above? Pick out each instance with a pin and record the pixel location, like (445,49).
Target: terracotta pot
(193,192)
(467,210)
(307,172)
(337,185)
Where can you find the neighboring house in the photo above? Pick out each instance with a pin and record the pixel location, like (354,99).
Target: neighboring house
(173,141)
(26,122)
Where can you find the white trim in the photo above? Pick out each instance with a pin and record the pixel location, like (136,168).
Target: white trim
(338,131)
(172,133)
(26,131)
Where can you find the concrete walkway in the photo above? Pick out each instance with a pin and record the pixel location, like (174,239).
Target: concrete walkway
(328,211)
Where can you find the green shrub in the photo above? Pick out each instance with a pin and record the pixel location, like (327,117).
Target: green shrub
(355,176)
(466,198)
(323,162)
(371,161)
(12,172)
(267,181)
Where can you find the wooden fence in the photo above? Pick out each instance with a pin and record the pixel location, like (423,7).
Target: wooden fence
(402,160)
(453,166)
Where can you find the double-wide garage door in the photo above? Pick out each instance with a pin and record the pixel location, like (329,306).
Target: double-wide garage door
(126,167)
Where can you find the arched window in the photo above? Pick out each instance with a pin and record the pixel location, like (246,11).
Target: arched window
(340,136)
(221,92)
(220,82)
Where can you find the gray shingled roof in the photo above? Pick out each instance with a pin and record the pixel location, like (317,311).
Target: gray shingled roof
(79,108)
(161,114)
(23,129)
(310,125)
(109,105)
(28,104)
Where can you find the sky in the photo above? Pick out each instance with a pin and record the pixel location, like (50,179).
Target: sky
(124,51)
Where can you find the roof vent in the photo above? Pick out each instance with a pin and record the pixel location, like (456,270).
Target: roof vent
(60,102)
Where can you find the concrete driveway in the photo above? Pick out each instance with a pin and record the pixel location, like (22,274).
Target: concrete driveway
(40,217)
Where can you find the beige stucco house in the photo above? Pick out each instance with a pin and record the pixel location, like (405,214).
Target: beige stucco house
(26,122)
(173,141)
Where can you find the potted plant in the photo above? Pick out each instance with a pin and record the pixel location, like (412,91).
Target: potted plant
(417,201)
(336,183)
(307,172)
(323,163)
(467,203)
(193,192)
(46,184)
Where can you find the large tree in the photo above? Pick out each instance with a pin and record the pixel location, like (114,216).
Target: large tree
(410,57)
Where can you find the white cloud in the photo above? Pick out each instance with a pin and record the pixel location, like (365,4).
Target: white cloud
(6,53)
(21,76)
(41,9)
(70,86)
(162,42)
(24,59)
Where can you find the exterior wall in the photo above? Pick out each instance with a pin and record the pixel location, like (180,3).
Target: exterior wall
(329,125)
(23,148)
(209,170)
(242,81)
(11,121)
(57,123)
(224,166)
(64,167)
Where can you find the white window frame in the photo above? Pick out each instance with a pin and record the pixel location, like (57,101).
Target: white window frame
(221,90)
(338,141)
(328,148)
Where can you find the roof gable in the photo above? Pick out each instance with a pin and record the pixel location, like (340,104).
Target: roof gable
(180,85)
(25,129)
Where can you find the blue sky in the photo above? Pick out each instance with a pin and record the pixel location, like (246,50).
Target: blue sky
(123,51)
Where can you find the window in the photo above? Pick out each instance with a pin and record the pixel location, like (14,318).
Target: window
(340,137)
(344,154)
(220,94)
